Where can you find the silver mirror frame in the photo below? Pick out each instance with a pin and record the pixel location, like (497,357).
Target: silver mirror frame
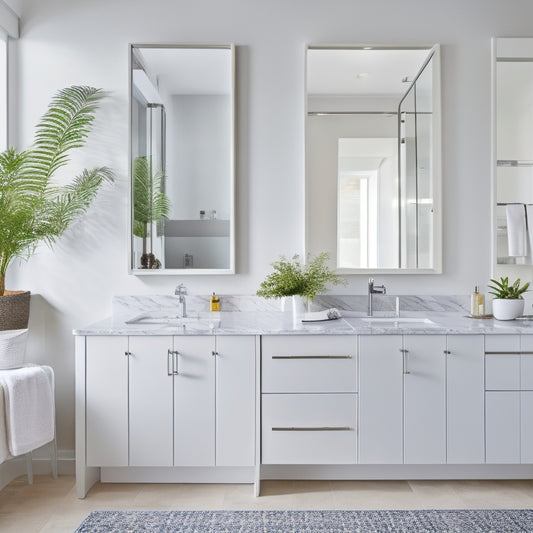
(437,162)
(183,271)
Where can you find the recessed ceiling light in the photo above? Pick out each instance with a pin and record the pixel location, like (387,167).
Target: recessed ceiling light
(367,48)
(361,75)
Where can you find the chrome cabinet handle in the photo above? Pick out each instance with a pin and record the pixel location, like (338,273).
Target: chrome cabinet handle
(175,362)
(313,428)
(213,353)
(447,352)
(405,355)
(127,354)
(170,362)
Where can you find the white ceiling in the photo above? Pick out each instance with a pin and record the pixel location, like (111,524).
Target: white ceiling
(357,72)
(189,70)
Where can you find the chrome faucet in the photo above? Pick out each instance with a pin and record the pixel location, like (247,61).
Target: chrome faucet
(181,292)
(374,289)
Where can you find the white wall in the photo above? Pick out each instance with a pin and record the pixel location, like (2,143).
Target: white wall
(76,41)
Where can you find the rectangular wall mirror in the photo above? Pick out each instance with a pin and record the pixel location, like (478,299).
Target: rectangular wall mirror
(512,168)
(182,124)
(373,157)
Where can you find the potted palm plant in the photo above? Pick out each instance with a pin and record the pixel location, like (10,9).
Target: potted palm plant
(508,303)
(35,209)
(150,205)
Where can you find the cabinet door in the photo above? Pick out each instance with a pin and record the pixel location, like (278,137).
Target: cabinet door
(150,397)
(235,401)
(194,401)
(380,399)
(465,399)
(425,399)
(502,426)
(107,401)
(526,426)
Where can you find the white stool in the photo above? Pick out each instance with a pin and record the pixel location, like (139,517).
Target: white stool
(53,461)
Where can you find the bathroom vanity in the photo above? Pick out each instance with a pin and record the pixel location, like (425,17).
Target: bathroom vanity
(261,397)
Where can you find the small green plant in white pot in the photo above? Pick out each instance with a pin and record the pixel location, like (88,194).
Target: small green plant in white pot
(508,303)
(296,279)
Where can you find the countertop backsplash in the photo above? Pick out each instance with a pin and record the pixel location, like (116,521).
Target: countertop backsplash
(125,306)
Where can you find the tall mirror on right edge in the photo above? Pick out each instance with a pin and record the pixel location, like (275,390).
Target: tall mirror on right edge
(373,157)
(512,137)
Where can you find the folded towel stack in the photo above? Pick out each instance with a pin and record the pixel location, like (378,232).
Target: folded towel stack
(29,407)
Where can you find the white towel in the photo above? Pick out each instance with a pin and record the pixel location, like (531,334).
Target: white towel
(4,449)
(29,403)
(516,229)
(529,217)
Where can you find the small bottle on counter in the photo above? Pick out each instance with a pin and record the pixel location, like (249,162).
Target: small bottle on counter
(477,303)
(203,215)
(215,303)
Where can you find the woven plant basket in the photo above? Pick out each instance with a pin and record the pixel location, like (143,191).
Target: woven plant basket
(14,310)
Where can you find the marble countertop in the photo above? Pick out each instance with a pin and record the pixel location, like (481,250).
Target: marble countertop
(277,323)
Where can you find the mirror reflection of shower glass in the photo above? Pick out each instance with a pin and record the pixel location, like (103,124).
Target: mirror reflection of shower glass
(182,158)
(370,145)
(514,144)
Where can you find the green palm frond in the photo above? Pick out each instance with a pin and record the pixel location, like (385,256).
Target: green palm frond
(32,208)
(63,127)
(150,204)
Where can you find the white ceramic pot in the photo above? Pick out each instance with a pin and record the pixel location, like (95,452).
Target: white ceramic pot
(12,348)
(503,309)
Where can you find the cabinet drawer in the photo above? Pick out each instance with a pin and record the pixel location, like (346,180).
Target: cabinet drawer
(309,428)
(502,371)
(309,363)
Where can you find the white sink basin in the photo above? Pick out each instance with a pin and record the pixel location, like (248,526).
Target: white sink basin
(173,319)
(399,321)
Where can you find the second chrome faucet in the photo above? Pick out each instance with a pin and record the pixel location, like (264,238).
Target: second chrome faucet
(374,289)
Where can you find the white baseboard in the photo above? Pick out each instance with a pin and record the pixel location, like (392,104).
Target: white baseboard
(16,467)
(389,472)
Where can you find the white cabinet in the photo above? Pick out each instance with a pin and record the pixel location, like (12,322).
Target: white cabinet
(421,399)
(107,401)
(309,400)
(465,399)
(425,399)
(194,401)
(150,400)
(380,399)
(170,401)
(235,401)
(509,399)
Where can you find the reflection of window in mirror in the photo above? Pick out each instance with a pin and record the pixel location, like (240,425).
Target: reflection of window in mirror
(373,156)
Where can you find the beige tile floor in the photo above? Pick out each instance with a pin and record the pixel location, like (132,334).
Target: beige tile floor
(51,505)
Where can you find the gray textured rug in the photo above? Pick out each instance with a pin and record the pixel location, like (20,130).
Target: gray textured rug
(456,521)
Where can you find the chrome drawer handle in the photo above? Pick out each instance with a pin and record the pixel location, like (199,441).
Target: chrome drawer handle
(508,353)
(314,428)
(311,357)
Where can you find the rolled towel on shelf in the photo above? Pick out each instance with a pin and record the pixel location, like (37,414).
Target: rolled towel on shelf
(516,229)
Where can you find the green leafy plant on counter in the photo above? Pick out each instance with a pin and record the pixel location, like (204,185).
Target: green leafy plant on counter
(292,277)
(503,291)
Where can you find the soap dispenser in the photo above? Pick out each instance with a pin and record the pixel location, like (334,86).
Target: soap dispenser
(477,304)
(215,303)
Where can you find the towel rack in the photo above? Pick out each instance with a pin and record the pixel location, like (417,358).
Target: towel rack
(514,163)
(511,203)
